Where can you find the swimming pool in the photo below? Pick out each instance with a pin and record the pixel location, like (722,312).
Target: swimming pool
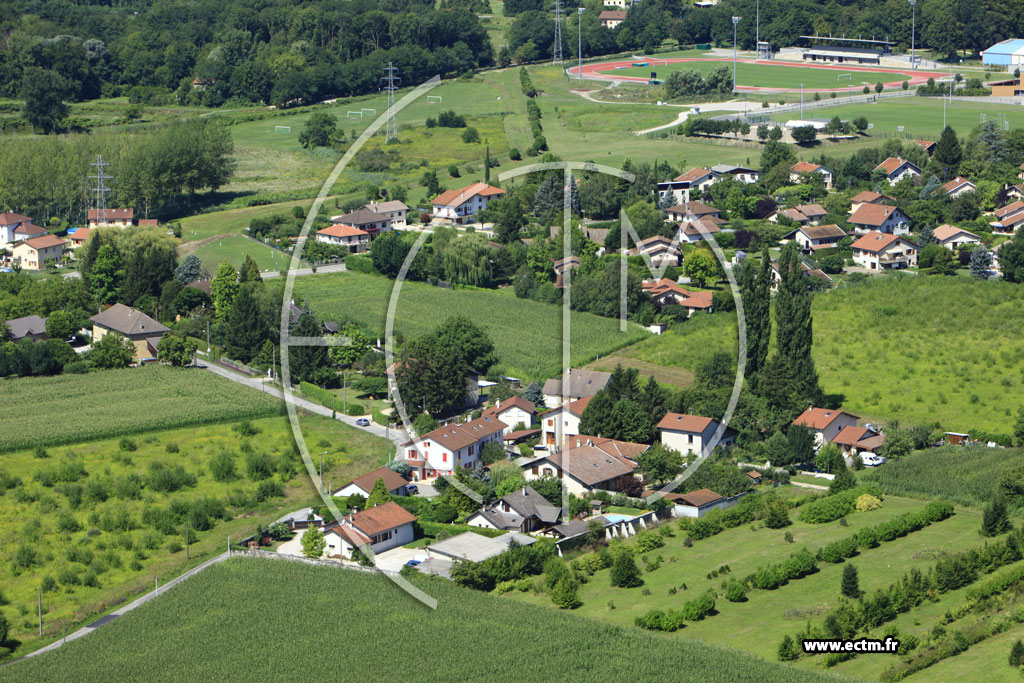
(614,517)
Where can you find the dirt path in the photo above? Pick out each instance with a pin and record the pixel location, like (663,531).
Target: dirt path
(192,247)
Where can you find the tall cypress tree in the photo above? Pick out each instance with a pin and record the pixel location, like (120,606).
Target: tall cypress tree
(793,324)
(755,288)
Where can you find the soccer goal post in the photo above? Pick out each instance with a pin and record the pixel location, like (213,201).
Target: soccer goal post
(434,98)
(355,115)
(282,129)
(370,109)
(848,77)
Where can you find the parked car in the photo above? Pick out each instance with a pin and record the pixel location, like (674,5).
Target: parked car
(363,422)
(412,563)
(872,460)
(413,489)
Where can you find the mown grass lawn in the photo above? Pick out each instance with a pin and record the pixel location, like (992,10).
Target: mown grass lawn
(234,249)
(758,624)
(114,528)
(526,334)
(922,116)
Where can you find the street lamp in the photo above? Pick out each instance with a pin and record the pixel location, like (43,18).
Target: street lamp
(913,27)
(579,43)
(322,470)
(735,20)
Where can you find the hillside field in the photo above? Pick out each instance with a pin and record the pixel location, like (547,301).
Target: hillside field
(73,408)
(526,334)
(103,519)
(354,610)
(780,75)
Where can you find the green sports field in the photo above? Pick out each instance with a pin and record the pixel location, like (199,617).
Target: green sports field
(234,248)
(922,116)
(765,75)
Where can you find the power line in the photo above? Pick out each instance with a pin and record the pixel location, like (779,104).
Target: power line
(391,81)
(557,49)
(101,189)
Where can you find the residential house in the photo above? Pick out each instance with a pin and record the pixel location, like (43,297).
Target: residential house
(523,510)
(665,292)
(958,186)
(363,486)
(661,250)
(149,223)
(455,445)
(364,219)
(395,211)
(898,168)
(927,145)
(698,503)
(807,272)
(512,411)
(689,211)
(582,384)
(678,189)
(11,229)
(78,238)
(953,238)
(814,238)
(343,235)
(690,434)
(881,251)
(740,173)
(383,527)
(560,266)
(461,205)
(802,167)
(697,229)
(853,440)
(143,331)
(111,218)
(32,254)
(868,197)
(30,327)
(1020,171)
(1007,217)
(582,469)
(558,424)
(826,423)
(880,218)
(611,18)
(804,214)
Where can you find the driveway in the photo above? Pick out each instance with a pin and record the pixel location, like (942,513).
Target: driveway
(293,546)
(426,490)
(393,560)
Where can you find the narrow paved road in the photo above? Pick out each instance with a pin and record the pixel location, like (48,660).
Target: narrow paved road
(397,436)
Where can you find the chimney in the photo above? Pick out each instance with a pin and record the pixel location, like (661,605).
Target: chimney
(524,491)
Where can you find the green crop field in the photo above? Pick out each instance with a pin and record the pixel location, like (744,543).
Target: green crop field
(98,520)
(234,248)
(917,349)
(765,75)
(218,608)
(526,334)
(921,117)
(107,403)
(966,475)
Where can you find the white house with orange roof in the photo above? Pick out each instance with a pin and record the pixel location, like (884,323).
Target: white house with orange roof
(454,445)
(958,186)
(512,411)
(665,292)
(78,238)
(111,218)
(344,235)
(826,423)
(558,424)
(14,227)
(898,168)
(880,217)
(689,434)
(880,251)
(461,205)
(953,238)
(383,527)
(868,197)
(803,167)
(32,254)
(678,189)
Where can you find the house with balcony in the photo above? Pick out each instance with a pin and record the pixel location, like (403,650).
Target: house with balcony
(881,251)
(586,464)
(880,218)
(346,236)
(454,445)
(678,189)
(370,222)
(688,211)
(459,207)
(383,527)
(825,423)
(395,211)
(805,167)
(816,237)
(740,173)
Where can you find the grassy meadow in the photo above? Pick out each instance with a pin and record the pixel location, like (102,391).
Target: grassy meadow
(108,403)
(234,249)
(526,334)
(95,523)
(217,608)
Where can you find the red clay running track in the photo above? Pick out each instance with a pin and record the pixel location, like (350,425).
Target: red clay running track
(915,77)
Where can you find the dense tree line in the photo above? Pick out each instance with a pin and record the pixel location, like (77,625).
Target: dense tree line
(155,171)
(275,51)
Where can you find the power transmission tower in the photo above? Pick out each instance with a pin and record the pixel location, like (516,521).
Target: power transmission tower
(101,188)
(391,81)
(556,50)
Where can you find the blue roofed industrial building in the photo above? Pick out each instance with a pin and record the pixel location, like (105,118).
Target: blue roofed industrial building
(1007,53)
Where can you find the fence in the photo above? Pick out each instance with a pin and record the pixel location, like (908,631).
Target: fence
(268,555)
(767,112)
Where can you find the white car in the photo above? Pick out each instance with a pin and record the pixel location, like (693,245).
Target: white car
(872,460)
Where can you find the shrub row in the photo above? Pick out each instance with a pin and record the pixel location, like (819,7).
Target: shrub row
(360,264)
(439,531)
(672,620)
(830,508)
(526,83)
(869,537)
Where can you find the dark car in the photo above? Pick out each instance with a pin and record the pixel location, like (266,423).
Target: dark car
(412,563)
(413,489)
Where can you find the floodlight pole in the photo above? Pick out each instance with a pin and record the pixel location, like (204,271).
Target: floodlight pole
(913,28)
(735,20)
(801,101)
(757,28)
(579,43)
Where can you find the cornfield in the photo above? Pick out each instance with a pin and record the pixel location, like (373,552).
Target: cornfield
(367,610)
(66,409)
